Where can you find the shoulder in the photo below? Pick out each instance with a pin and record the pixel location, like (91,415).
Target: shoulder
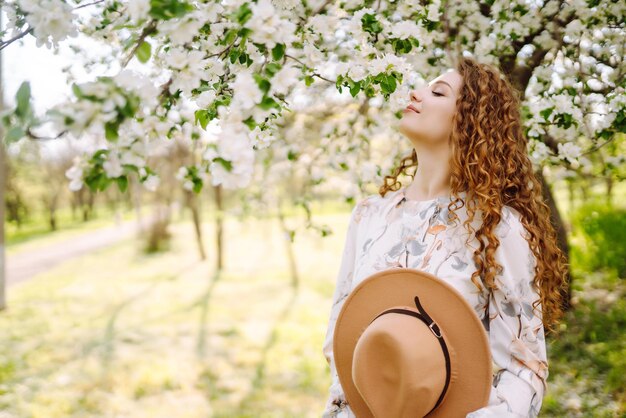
(375,203)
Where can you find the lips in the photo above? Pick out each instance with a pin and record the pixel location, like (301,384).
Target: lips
(412,108)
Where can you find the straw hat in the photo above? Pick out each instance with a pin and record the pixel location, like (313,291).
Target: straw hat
(407,344)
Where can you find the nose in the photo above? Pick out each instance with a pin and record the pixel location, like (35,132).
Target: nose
(415,96)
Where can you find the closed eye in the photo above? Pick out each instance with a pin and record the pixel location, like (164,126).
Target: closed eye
(437,94)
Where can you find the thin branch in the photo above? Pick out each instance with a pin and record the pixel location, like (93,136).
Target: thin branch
(597,147)
(4,44)
(321,8)
(314,74)
(218,54)
(148,30)
(88,4)
(32,136)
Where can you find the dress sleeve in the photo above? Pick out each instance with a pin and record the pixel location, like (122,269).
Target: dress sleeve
(516,332)
(335,405)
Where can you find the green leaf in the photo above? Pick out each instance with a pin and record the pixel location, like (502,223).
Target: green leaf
(15,134)
(243,13)
(308,80)
(197,185)
(278,51)
(244,59)
(110,130)
(355,88)
(545,113)
(144,51)
(225,163)
(370,24)
(268,103)
(77,91)
(99,156)
(388,84)
(233,54)
(122,183)
(202,116)
(97,179)
(262,82)
(230,36)
(272,68)
(250,123)
(169,9)
(22,97)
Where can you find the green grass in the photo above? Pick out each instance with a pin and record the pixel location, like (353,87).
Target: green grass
(121,333)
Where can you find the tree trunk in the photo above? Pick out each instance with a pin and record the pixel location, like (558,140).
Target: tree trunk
(219,227)
(3,174)
(53,203)
(192,201)
(584,188)
(570,189)
(561,235)
(288,237)
(609,189)
(52,220)
(136,202)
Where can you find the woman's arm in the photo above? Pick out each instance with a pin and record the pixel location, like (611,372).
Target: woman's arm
(516,332)
(336,398)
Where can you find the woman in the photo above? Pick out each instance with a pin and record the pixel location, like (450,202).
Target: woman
(473,216)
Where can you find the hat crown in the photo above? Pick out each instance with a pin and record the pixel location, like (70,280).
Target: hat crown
(374,303)
(379,370)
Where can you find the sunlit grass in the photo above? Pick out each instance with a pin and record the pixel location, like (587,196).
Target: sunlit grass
(119,333)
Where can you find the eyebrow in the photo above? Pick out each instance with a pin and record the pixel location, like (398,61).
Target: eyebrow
(443,82)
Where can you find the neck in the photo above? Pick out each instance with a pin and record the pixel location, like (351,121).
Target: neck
(432,178)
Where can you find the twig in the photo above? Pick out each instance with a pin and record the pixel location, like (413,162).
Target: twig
(4,44)
(32,136)
(88,4)
(315,74)
(148,30)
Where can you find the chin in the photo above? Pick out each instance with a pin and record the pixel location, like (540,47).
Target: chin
(411,132)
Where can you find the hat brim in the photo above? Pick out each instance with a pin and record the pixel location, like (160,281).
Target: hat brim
(463,332)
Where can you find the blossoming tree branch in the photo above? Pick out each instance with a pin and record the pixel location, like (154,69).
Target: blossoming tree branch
(247,67)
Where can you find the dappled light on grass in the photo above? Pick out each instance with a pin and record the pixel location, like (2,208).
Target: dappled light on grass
(120,333)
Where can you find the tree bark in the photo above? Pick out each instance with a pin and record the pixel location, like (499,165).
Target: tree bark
(3,174)
(561,236)
(287,236)
(192,202)
(609,190)
(219,227)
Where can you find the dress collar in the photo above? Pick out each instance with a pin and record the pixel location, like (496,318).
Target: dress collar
(400,197)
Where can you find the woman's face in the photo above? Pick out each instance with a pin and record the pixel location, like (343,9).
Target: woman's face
(436,104)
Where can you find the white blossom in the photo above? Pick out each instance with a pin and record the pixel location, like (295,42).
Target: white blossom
(52,20)
(152,182)
(138,9)
(569,151)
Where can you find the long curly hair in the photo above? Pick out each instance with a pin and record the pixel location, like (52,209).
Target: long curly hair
(490,162)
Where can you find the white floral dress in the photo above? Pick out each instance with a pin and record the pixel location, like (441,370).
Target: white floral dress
(391,231)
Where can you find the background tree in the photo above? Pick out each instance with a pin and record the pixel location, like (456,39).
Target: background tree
(243,66)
